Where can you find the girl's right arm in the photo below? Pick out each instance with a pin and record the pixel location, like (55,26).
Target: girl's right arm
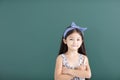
(58,75)
(83,72)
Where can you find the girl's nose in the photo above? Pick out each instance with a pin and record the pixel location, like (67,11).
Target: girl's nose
(75,41)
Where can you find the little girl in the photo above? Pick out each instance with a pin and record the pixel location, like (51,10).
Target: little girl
(72,62)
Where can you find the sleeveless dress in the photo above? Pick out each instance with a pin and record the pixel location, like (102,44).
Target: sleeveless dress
(65,64)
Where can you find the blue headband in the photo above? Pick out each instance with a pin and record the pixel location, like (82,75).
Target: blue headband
(73,26)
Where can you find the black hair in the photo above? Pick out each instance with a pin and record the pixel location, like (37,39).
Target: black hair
(63,46)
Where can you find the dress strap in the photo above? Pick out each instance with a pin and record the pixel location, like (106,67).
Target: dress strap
(64,60)
(65,63)
(81,59)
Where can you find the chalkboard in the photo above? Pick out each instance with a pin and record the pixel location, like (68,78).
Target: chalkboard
(31,31)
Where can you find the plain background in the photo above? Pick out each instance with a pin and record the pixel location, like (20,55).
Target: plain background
(31,31)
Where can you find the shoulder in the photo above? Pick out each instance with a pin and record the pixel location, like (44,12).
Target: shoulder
(86,61)
(59,61)
(84,56)
(59,57)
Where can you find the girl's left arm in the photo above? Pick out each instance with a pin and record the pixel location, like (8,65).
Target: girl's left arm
(86,73)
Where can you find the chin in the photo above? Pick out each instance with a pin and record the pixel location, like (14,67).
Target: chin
(74,49)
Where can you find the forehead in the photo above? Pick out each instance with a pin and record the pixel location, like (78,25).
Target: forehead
(74,35)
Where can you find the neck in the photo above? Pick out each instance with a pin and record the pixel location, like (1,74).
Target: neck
(72,52)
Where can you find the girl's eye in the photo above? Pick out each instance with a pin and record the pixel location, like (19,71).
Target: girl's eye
(71,39)
(78,39)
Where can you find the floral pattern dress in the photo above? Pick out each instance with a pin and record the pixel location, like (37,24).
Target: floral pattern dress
(65,64)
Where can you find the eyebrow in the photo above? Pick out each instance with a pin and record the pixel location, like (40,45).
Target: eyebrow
(73,37)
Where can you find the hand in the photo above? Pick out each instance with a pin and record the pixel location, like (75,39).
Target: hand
(82,67)
(65,70)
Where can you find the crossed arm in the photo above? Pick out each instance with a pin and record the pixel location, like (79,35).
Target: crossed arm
(82,71)
(58,74)
(63,73)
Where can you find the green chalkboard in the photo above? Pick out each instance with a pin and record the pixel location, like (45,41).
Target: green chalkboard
(31,30)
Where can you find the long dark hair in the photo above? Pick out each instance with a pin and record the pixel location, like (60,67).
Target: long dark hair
(64,48)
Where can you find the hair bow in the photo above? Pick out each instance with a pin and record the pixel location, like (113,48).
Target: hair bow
(73,26)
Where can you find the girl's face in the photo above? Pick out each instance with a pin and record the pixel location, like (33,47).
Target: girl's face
(73,41)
